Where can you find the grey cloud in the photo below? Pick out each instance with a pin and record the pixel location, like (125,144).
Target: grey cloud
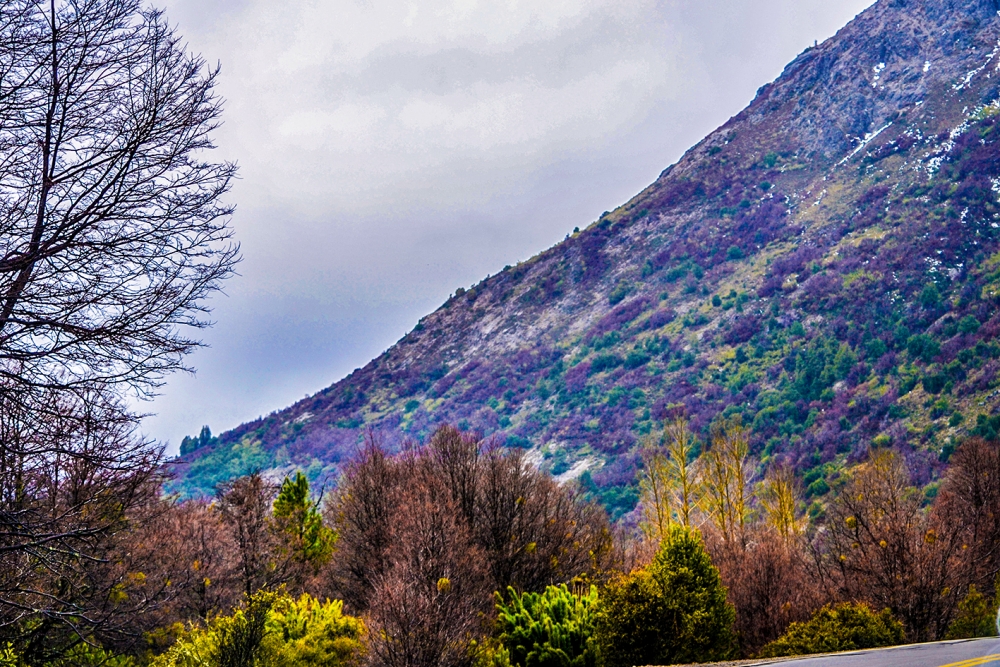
(553,62)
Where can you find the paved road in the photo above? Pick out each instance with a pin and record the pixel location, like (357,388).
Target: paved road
(962,653)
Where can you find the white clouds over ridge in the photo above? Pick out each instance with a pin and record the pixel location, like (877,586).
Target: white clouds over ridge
(374,94)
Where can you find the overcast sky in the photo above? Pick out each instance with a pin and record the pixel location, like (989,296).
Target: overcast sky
(393,150)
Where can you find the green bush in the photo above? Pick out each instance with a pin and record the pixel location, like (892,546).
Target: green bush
(311,633)
(930,297)
(844,627)
(228,641)
(923,347)
(968,325)
(977,617)
(673,611)
(83,654)
(618,294)
(273,630)
(987,427)
(550,629)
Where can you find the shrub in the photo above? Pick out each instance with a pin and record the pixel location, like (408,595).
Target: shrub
(934,384)
(635,359)
(976,617)
(618,294)
(676,273)
(81,655)
(273,630)
(875,349)
(844,627)
(307,633)
(968,325)
(240,637)
(930,297)
(550,629)
(987,427)
(605,362)
(673,611)
(923,347)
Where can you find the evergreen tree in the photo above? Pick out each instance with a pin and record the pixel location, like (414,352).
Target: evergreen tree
(308,541)
(550,629)
(673,611)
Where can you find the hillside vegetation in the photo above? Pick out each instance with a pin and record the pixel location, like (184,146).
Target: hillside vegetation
(825,265)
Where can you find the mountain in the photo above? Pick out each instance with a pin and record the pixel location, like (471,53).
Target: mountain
(825,264)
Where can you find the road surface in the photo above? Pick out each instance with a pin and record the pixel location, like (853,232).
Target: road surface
(961,653)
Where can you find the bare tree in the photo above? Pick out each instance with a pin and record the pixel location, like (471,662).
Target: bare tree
(532,531)
(429,603)
(195,548)
(112,233)
(245,504)
(768,580)
(884,548)
(529,531)
(71,490)
(457,456)
(362,511)
(969,502)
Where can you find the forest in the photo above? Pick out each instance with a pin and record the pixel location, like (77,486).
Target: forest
(459,552)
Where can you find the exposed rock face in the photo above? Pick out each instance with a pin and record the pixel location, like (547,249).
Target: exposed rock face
(811,265)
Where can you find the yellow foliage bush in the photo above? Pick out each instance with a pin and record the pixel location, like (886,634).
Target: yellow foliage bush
(296,633)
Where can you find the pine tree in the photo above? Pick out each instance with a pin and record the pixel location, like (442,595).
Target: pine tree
(309,542)
(550,629)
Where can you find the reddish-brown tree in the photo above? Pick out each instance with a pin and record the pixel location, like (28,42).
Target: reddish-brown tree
(71,491)
(245,505)
(112,235)
(768,582)
(362,511)
(969,502)
(196,549)
(531,532)
(881,546)
(428,604)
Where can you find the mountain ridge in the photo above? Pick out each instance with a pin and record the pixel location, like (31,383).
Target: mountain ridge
(713,290)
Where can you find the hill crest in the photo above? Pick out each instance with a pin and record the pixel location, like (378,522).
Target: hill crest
(785,268)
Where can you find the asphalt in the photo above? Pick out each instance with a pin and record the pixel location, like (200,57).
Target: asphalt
(960,653)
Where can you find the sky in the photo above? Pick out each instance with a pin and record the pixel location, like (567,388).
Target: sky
(392,151)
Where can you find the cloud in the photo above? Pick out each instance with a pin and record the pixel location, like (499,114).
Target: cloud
(393,150)
(388,96)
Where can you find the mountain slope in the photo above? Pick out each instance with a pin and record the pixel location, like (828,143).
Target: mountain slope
(824,264)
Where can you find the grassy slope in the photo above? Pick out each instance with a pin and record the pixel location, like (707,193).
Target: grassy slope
(825,264)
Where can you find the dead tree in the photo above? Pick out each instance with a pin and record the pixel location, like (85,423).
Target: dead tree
(112,230)
(112,235)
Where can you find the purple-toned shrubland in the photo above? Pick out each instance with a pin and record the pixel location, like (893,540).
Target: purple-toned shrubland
(833,305)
